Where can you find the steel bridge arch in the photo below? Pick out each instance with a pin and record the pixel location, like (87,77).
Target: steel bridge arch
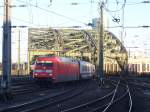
(75,43)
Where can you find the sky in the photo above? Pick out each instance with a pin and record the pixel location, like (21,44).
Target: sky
(61,13)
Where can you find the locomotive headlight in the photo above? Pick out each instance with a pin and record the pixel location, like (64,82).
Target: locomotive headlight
(48,71)
(50,74)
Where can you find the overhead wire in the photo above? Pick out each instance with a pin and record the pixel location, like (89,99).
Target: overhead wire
(53,12)
(20,20)
(63,15)
(29,8)
(91,9)
(123,5)
(144,26)
(130,3)
(36,6)
(115,19)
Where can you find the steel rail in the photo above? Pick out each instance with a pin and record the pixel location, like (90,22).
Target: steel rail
(42,99)
(103,107)
(60,100)
(75,93)
(142,86)
(90,102)
(45,101)
(120,98)
(112,97)
(130,99)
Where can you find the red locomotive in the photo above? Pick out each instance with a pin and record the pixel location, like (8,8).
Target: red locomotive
(61,69)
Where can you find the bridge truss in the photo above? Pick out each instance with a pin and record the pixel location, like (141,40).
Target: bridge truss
(80,44)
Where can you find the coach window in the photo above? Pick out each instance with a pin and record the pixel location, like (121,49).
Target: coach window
(138,67)
(135,68)
(147,67)
(143,67)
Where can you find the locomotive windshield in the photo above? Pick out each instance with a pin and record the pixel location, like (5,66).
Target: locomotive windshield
(45,64)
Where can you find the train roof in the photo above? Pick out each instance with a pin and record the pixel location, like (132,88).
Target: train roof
(85,62)
(56,58)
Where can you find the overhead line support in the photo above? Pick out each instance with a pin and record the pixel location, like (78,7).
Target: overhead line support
(5,91)
(100,44)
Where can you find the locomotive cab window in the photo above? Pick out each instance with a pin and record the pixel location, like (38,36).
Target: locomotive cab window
(46,64)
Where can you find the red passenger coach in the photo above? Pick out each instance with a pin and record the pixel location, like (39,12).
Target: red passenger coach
(56,69)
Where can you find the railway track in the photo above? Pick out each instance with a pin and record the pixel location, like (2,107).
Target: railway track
(22,85)
(105,103)
(119,97)
(140,94)
(86,93)
(21,78)
(140,83)
(25,89)
(45,101)
(120,103)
